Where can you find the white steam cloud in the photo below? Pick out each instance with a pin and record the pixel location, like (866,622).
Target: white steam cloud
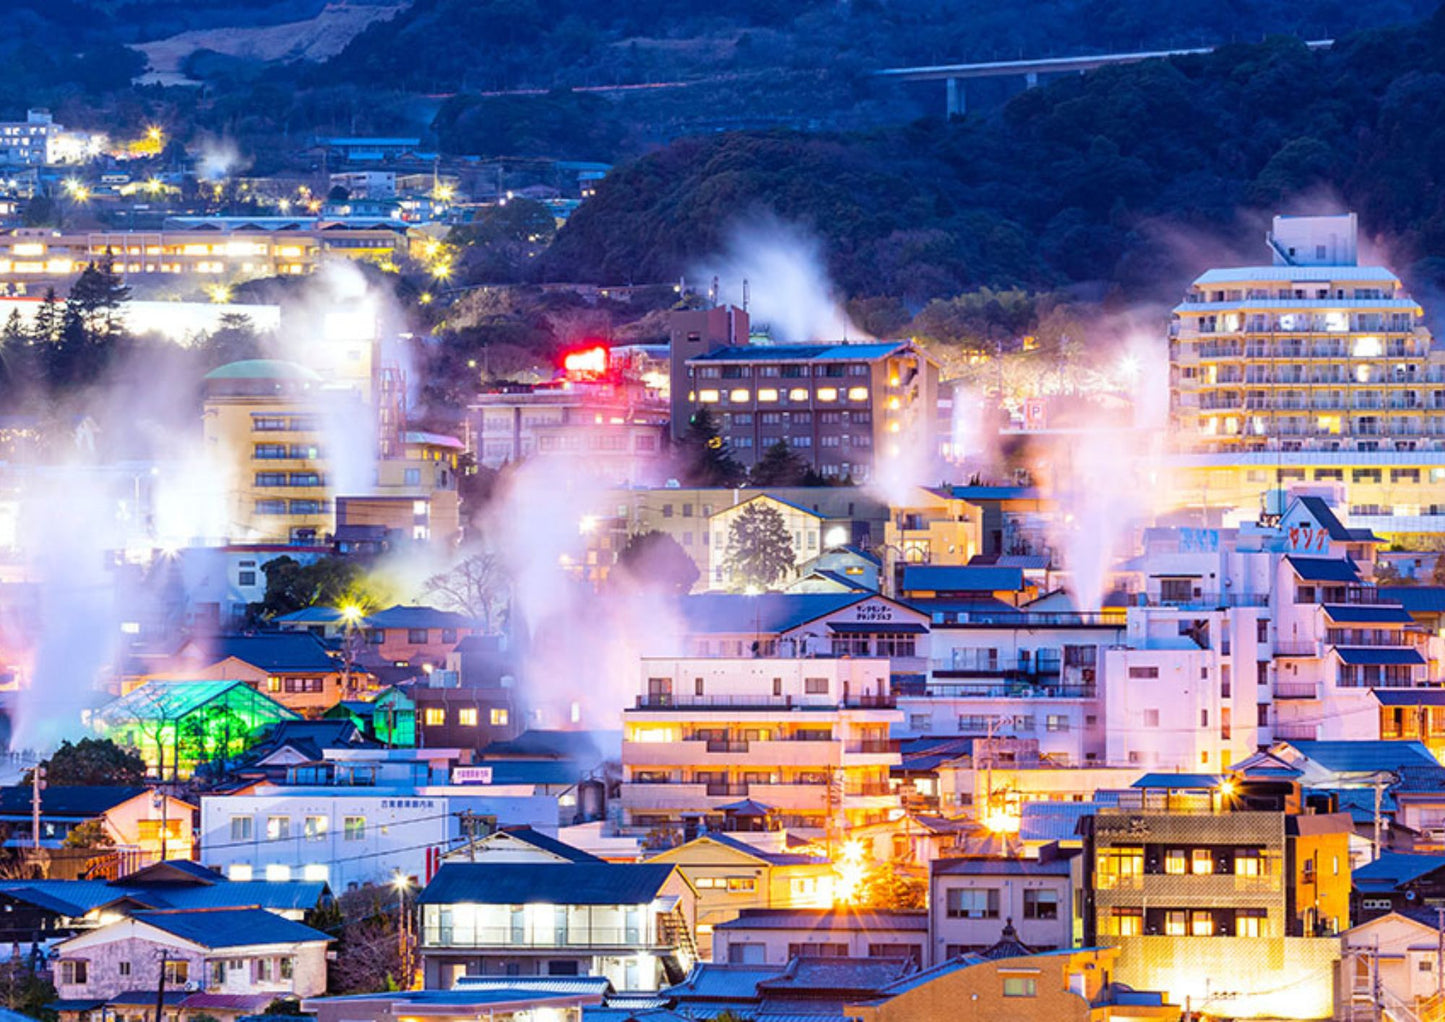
(218,159)
(787,280)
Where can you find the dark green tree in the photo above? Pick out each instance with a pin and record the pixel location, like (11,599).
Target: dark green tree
(657,560)
(93,761)
(327,582)
(233,340)
(99,295)
(45,328)
(759,549)
(704,457)
(780,465)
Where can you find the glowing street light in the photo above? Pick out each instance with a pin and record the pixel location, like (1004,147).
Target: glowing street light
(852,871)
(155,134)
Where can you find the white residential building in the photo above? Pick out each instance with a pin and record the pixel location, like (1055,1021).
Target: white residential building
(353,835)
(807,738)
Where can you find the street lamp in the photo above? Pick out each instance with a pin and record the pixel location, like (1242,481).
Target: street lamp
(402,883)
(351,616)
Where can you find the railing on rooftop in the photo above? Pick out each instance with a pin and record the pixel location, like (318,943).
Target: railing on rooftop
(966,691)
(745,701)
(1203,601)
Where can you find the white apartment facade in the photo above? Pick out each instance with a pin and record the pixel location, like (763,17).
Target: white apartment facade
(349,835)
(808,738)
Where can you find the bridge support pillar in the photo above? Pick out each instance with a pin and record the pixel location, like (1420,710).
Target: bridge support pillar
(1031,80)
(957,101)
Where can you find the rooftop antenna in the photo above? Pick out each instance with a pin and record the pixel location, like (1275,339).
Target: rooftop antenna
(745,294)
(712,294)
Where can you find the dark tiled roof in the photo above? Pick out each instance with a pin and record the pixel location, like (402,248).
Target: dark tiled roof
(230,927)
(537,839)
(1417,599)
(1163,780)
(559,883)
(85,801)
(1409,696)
(1319,509)
(1367,613)
(941,578)
(766,613)
(278,651)
(772,858)
(1323,569)
(401,616)
(1379,655)
(1364,756)
(1000,867)
(800,352)
(1392,869)
(863,920)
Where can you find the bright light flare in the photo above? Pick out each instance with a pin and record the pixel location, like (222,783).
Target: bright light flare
(589,361)
(851,868)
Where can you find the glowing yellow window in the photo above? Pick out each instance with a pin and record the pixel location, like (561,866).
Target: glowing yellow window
(467,716)
(857,393)
(767,395)
(739,395)
(499,717)
(1329,424)
(1174,862)
(1201,861)
(435,716)
(798,394)
(827,393)
(707,397)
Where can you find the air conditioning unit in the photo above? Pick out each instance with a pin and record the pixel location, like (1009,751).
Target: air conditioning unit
(192,987)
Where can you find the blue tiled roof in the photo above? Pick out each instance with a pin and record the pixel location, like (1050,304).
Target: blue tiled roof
(715,981)
(273,895)
(1053,821)
(766,613)
(1163,780)
(558,883)
(1364,756)
(1379,655)
(942,578)
(1319,509)
(278,651)
(1323,569)
(1367,613)
(1000,867)
(801,352)
(311,616)
(83,801)
(864,920)
(537,839)
(1417,599)
(993,492)
(231,927)
(1395,868)
(401,616)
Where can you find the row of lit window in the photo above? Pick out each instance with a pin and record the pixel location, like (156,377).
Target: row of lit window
(313,828)
(293,507)
(767,395)
(436,716)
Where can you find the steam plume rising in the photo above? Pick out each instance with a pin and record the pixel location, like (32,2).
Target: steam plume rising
(787,279)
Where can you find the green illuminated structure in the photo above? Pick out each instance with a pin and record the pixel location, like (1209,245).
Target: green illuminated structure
(178,725)
(390,718)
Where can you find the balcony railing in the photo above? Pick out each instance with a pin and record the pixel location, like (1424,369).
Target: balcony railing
(720,745)
(1202,601)
(563,938)
(1296,690)
(870,746)
(744,701)
(966,691)
(1297,649)
(1297,732)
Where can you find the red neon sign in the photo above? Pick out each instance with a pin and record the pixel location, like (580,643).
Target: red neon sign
(588,361)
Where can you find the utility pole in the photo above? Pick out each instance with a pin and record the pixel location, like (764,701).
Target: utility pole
(1375,977)
(161,992)
(1379,819)
(1439,951)
(37,785)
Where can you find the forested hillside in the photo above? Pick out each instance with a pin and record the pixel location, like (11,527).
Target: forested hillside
(1089,178)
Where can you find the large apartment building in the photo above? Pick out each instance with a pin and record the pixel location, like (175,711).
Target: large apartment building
(1224,888)
(807,738)
(220,252)
(273,427)
(839,406)
(1312,368)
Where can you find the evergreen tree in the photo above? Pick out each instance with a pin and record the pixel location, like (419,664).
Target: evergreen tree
(45,328)
(705,459)
(780,465)
(759,550)
(99,296)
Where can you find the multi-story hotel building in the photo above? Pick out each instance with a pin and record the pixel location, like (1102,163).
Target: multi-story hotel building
(271,425)
(220,252)
(838,406)
(808,738)
(1313,368)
